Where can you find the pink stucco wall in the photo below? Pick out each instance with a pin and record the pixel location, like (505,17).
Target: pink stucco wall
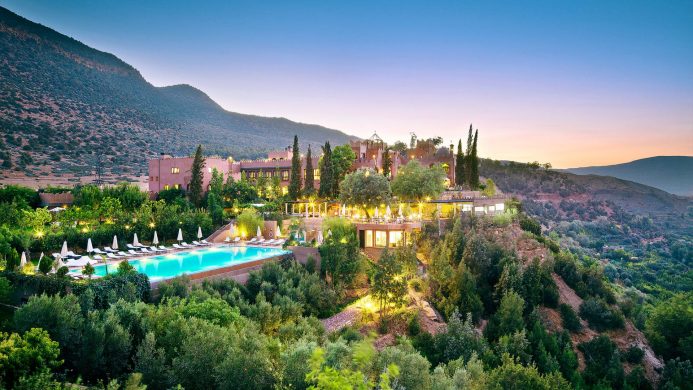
(161,172)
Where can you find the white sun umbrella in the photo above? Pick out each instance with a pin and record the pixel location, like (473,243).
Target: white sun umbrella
(387,212)
(180,235)
(329,232)
(279,232)
(63,252)
(376,214)
(400,211)
(259,232)
(155,240)
(39,262)
(22,263)
(199,232)
(90,247)
(305,235)
(135,241)
(114,245)
(319,239)
(231,229)
(344,209)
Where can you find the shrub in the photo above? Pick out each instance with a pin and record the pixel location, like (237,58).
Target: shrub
(530,225)
(600,316)
(570,320)
(633,354)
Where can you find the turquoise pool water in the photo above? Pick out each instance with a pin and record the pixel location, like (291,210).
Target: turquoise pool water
(170,265)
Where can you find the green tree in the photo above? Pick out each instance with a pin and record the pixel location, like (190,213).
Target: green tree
(670,327)
(309,185)
(469,157)
(474,168)
(326,176)
(195,189)
(261,184)
(365,188)
(110,209)
(88,270)
(459,164)
(37,219)
(339,253)
(342,159)
(508,319)
(416,183)
(387,162)
(388,282)
(248,222)
(295,179)
(29,354)
(215,207)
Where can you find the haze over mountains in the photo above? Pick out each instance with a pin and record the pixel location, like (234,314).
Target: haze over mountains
(673,174)
(64,106)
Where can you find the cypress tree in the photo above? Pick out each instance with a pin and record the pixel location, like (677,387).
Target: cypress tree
(459,165)
(309,185)
(326,172)
(387,162)
(295,179)
(468,158)
(195,185)
(475,163)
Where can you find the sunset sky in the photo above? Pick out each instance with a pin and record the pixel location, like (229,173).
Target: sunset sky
(586,83)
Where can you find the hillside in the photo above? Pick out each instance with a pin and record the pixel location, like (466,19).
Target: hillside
(673,174)
(64,106)
(645,233)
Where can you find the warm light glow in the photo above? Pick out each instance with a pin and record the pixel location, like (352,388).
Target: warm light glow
(85,230)
(151,225)
(39,233)
(127,227)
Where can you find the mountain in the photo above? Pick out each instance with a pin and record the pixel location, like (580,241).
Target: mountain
(673,174)
(66,108)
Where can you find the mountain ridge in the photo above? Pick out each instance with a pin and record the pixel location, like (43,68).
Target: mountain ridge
(67,108)
(673,174)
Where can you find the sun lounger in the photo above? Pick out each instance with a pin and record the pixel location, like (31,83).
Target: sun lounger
(145,250)
(99,251)
(205,242)
(186,245)
(163,248)
(176,246)
(237,239)
(109,249)
(112,256)
(121,253)
(227,239)
(98,258)
(130,246)
(281,242)
(132,252)
(260,241)
(155,249)
(252,240)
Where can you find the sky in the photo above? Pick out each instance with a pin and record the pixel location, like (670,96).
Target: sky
(571,83)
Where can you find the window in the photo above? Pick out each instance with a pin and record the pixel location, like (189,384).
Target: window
(316,173)
(253,174)
(395,239)
(175,170)
(285,175)
(380,239)
(176,186)
(285,190)
(167,187)
(209,170)
(369,239)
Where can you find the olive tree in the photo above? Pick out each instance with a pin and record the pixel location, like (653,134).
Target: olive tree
(414,182)
(365,188)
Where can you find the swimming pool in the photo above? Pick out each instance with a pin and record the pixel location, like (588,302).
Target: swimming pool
(170,265)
